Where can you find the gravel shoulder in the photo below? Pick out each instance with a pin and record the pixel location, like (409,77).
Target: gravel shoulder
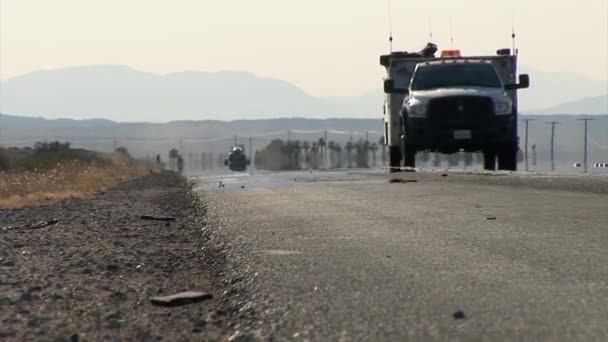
(91,275)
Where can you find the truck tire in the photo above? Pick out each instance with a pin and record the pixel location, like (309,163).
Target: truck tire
(409,157)
(507,157)
(489,159)
(394,156)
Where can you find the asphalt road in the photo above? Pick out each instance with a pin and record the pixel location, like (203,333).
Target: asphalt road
(350,256)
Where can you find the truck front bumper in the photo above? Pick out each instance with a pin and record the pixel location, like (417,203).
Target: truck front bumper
(423,134)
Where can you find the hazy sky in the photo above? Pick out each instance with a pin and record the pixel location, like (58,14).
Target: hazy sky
(327,47)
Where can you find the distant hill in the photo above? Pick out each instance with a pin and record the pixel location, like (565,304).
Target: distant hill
(368,105)
(124,94)
(551,89)
(597,105)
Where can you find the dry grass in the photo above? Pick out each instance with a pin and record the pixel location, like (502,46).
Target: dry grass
(68,180)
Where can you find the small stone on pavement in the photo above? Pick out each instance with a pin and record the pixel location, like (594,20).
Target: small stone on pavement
(459,315)
(180,299)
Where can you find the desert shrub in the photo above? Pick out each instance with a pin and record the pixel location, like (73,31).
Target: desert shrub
(5,162)
(278,155)
(42,147)
(66,180)
(123,150)
(46,155)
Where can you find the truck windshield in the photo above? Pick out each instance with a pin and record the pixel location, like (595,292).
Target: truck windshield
(455,75)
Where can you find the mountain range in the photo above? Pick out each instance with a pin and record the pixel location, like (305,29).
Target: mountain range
(124,94)
(596,105)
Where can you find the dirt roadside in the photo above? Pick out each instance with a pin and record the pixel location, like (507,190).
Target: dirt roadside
(91,275)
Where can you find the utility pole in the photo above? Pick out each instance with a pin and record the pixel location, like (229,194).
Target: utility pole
(527,121)
(553,124)
(586,120)
(251,151)
(325,156)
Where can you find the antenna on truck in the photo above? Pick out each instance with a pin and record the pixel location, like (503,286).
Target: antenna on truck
(390,25)
(451,32)
(513,35)
(430,29)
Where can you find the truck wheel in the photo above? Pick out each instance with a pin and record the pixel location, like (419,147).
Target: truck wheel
(489,159)
(410,157)
(394,158)
(507,157)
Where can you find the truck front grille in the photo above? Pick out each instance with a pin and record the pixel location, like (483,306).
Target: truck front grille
(461,111)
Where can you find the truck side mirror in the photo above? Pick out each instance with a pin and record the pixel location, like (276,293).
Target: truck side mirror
(389,88)
(524,82)
(225,162)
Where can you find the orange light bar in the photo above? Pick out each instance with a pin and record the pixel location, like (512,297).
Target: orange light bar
(450,53)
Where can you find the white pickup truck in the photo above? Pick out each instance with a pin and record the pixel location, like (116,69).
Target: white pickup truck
(452,104)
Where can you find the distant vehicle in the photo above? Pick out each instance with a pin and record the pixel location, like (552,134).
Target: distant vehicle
(237,159)
(450,104)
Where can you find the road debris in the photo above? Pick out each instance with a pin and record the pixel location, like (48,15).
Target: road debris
(157,218)
(402,181)
(181,299)
(37,225)
(491,218)
(459,315)
(112,267)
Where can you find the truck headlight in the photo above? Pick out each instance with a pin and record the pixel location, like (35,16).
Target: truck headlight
(503,107)
(416,109)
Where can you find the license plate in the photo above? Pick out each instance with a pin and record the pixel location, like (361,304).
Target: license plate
(462,134)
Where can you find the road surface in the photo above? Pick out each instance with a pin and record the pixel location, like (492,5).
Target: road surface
(351,256)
